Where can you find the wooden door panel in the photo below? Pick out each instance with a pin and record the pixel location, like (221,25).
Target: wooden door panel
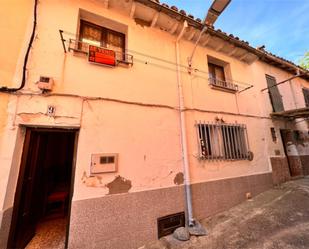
(23,224)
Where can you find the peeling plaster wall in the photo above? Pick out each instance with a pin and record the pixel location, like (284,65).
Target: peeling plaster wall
(15,30)
(147,140)
(32,111)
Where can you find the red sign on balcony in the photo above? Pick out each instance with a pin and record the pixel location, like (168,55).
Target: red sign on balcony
(101,56)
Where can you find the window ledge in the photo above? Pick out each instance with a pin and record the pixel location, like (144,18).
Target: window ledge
(222,85)
(224,89)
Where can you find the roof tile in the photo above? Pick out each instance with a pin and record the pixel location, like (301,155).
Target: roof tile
(244,43)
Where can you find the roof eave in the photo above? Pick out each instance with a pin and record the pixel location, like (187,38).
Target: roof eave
(262,55)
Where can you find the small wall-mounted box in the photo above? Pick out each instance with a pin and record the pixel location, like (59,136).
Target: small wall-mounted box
(104,163)
(45,83)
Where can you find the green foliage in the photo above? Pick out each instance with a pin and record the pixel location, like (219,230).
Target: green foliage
(304,62)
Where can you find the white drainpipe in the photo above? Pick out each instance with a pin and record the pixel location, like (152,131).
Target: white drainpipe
(185,160)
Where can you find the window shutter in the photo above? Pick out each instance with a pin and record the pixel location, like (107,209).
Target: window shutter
(274,94)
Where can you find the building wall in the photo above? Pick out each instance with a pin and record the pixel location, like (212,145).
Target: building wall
(297,149)
(16,22)
(133,111)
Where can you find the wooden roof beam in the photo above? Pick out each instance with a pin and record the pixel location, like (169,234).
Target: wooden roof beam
(220,46)
(205,42)
(190,37)
(233,51)
(243,56)
(105,4)
(132,11)
(174,27)
(155,19)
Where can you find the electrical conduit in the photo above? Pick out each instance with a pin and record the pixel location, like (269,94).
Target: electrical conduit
(23,81)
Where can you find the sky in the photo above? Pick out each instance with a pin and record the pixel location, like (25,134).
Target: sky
(281,25)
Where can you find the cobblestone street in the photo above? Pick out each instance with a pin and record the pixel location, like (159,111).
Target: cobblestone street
(275,219)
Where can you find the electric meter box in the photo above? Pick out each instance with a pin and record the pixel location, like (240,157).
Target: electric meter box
(103,163)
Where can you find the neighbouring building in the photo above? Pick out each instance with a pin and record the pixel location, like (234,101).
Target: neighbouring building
(97,134)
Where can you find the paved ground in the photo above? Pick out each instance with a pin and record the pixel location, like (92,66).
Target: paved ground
(49,234)
(275,219)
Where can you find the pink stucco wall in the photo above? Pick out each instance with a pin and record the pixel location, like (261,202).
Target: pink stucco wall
(147,138)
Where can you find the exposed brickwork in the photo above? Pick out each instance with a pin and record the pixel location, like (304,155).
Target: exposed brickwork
(280,169)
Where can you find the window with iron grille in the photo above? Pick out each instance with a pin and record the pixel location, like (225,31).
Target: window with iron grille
(219,141)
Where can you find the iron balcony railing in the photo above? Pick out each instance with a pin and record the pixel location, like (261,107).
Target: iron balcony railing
(222,84)
(71,44)
(83,47)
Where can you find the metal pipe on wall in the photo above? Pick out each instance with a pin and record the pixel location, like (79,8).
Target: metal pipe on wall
(191,220)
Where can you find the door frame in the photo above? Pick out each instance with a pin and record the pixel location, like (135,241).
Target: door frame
(22,167)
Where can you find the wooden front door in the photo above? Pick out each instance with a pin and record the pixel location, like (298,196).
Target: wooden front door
(46,167)
(23,224)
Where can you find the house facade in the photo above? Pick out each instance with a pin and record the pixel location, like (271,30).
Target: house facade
(16,27)
(111,102)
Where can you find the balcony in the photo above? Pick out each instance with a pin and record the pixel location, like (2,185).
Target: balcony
(76,46)
(292,114)
(222,85)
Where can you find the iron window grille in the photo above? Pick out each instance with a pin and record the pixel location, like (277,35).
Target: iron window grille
(220,141)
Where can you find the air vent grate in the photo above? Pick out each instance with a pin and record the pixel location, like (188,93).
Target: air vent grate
(168,224)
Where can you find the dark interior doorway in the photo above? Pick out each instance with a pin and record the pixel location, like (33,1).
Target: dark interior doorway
(44,185)
(290,139)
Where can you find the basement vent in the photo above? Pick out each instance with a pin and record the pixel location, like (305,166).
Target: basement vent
(168,224)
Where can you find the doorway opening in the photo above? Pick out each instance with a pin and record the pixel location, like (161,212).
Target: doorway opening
(290,139)
(44,189)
